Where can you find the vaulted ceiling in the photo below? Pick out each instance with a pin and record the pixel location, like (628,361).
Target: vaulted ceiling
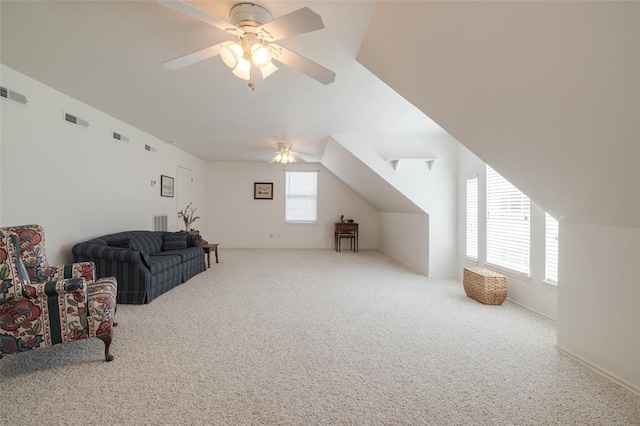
(547,93)
(109,55)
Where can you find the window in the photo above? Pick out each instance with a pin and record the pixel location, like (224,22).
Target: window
(508,225)
(301,197)
(551,249)
(472,218)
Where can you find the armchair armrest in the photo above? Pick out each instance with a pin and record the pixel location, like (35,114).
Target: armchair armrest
(54,288)
(84,270)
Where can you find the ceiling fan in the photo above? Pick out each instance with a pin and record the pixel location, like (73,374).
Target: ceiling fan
(255,31)
(286,155)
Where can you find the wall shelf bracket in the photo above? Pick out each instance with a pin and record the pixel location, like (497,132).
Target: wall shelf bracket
(395,162)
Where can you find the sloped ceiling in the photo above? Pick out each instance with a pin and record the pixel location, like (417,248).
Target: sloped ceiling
(109,54)
(374,189)
(547,93)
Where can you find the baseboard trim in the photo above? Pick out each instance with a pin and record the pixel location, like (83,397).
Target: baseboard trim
(533,311)
(602,371)
(413,268)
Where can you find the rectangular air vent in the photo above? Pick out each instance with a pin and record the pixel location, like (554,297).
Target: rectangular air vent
(13,96)
(160,222)
(120,137)
(72,119)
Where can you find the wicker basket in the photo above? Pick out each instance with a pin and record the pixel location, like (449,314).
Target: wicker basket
(485,285)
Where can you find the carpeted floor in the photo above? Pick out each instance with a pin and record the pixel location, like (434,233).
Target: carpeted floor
(307,337)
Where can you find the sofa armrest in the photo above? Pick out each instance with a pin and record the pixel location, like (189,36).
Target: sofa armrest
(194,240)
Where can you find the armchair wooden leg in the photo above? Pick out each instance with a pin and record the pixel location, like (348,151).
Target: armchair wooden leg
(107,342)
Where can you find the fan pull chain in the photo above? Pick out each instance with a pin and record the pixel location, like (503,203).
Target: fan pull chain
(250,84)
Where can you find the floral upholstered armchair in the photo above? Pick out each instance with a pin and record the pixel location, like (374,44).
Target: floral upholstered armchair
(42,305)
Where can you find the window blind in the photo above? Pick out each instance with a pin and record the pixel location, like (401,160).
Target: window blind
(472,218)
(551,249)
(508,224)
(301,197)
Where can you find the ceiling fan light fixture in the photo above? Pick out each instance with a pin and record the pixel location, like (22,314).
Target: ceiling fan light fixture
(243,69)
(291,158)
(284,158)
(231,54)
(227,57)
(268,69)
(260,55)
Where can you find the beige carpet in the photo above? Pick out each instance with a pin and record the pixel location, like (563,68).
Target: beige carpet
(310,337)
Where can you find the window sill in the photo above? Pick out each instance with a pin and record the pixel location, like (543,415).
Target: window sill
(550,285)
(299,223)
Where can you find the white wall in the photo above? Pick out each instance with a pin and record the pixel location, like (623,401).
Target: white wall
(532,293)
(432,190)
(235,219)
(78,182)
(599,285)
(395,240)
(405,237)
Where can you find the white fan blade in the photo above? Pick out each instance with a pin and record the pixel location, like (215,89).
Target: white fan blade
(193,57)
(187,9)
(298,22)
(302,64)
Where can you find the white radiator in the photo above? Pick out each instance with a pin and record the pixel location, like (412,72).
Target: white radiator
(160,222)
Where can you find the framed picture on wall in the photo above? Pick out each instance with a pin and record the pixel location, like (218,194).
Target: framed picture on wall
(166,186)
(263,191)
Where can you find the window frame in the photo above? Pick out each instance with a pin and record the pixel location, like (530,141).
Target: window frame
(289,198)
(472,209)
(550,241)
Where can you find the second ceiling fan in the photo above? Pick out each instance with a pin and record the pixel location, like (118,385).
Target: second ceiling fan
(256,32)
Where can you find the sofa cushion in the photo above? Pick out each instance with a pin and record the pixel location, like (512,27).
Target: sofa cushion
(174,242)
(159,263)
(148,242)
(124,243)
(185,254)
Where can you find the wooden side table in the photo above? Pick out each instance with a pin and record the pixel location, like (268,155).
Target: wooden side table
(345,230)
(207,249)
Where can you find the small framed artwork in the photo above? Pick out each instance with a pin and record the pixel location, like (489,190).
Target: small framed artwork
(263,191)
(166,186)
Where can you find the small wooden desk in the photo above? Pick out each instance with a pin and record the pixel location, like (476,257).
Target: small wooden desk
(207,249)
(345,228)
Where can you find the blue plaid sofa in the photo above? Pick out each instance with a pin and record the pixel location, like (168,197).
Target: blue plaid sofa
(146,263)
